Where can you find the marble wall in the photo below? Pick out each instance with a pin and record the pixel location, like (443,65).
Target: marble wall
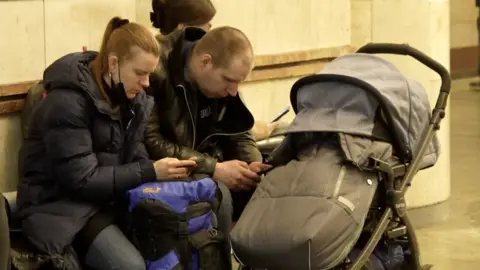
(463,23)
(71,24)
(277,26)
(425,25)
(22,57)
(35,33)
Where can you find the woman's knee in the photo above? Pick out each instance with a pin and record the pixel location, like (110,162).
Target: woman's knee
(111,250)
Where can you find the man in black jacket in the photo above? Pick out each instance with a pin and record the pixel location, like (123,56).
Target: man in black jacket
(198,111)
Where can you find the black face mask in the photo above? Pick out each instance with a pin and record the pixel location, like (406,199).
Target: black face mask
(117,92)
(119,97)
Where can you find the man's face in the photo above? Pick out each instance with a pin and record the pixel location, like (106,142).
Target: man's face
(219,82)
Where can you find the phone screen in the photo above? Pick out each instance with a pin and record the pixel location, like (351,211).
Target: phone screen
(281,114)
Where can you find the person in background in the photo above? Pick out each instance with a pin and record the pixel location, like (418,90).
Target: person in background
(85,150)
(172,16)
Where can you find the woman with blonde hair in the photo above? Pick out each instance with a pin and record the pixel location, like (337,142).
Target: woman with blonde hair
(85,150)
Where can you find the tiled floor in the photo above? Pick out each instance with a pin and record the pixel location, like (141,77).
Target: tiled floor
(455,244)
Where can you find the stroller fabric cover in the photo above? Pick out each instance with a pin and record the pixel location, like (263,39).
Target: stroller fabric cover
(174,225)
(309,211)
(334,106)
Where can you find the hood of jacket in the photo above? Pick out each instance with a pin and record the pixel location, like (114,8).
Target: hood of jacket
(171,61)
(73,72)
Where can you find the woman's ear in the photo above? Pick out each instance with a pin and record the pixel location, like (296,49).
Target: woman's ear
(112,63)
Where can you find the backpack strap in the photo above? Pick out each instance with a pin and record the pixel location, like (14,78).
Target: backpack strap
(203,238)
(210,247)
(203,245)
(183,246)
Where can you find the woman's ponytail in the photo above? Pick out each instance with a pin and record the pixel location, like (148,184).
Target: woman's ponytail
(100,63)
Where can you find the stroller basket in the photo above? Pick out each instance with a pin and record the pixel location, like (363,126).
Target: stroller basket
(410,155)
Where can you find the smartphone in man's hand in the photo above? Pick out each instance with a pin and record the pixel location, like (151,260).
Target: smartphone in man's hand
(280,115)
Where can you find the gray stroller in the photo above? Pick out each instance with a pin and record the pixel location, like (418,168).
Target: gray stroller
(334,198)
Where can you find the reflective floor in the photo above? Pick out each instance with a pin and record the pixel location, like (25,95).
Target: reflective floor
(455,244)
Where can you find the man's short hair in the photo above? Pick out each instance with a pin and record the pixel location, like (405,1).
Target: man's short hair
(223,44)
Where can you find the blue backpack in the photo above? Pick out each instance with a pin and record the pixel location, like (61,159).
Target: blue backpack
(174,225)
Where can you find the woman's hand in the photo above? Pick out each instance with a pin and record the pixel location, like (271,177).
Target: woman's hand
(172,168)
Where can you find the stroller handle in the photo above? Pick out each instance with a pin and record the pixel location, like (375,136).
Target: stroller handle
(405,49)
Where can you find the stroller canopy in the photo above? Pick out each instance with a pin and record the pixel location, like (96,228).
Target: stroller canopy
(347,95)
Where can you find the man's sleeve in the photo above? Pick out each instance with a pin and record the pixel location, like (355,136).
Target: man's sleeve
(241,147)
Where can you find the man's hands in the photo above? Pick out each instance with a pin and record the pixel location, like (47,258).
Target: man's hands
(237,174)
(172,168)
(258,166)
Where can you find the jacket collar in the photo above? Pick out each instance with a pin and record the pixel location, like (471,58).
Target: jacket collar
(176,60)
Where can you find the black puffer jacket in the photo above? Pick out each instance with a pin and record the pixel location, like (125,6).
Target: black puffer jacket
(78,157)
(171,129)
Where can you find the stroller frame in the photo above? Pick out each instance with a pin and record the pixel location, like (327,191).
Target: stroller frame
(395,177)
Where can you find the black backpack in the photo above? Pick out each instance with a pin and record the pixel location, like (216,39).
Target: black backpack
(174,225)
(35,95)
